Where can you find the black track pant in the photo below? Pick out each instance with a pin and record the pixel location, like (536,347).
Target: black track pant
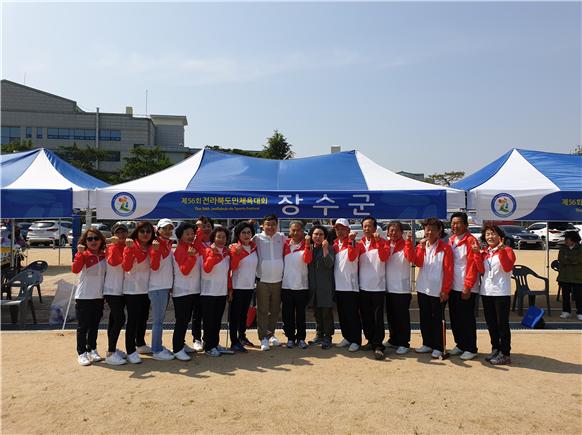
(348,310)
(463,322)
(116,320)
(237,314)
(496,310)
(372,312)
(183,312)
(294,303)
(89,313)
(431,316)
(138,310)
(398,314)
(212,311)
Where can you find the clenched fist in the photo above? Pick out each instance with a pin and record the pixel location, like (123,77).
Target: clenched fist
(155,245)
(80,248)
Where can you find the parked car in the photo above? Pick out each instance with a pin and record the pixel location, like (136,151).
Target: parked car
(105,230)
(357,228)
(475,230)
(517,237)
(556,231)
(49,233)
(24,226)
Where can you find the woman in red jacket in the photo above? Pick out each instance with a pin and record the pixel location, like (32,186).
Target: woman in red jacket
(243,265)
(136,264)
(90,263)
(113,293)
(496,264)
(435,260)
(214,289)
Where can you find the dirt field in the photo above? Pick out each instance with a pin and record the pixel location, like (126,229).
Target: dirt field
(44,390)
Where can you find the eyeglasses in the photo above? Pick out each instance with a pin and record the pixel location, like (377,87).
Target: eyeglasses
(145,231)
(92,239)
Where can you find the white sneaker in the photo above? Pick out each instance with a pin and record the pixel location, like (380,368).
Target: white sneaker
(354,347)
(343,343)
(182,355)
(302,344)
(213,352)
(423,349)
(273,341)
(455,351)
(145,349)
(115,360)
(83,359)
(564,315)
(436,354)
(290,344)
(198,346)
(188,349)
(94,356)
(265,344)
(579,316)
(401,350)
(134,358)
(121,353)
(164,355)
(466,356)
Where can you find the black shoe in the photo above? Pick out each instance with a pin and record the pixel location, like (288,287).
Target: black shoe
(325,344)
(237,347)
(246,342)
(366,346)
(379,354)
(492,355)
(315,341)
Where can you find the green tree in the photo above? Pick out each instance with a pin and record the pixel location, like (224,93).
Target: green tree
(82,158)
(278,148)
(144,161)
(445,179)
(17,146)
(235,151)
(578,150)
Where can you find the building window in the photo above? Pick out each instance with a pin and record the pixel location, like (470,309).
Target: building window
(64,133)
(89,134)
(137,145)
(52,133)
(39,132)
(79,134)
(111,156)
(106,134)
(10,134)
(29,132)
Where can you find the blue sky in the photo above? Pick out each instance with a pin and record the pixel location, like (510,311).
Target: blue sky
(421,87)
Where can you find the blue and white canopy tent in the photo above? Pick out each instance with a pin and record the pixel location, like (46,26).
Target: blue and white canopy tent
(38,184)
(527,186)
(220,185)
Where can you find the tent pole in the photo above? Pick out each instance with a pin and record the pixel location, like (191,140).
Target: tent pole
(59,241)
(548,250)
(12,244)
(68,307)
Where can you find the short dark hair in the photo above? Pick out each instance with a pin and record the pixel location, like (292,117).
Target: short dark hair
(270,217)
(394,224)
(296,222)
(319,227)
(494,228)
(572,235)
(462,215)
(182,228)
(373,219)
(137,229)
(434,222)
(219,229)
(83,239)
(241,226)
(206,220)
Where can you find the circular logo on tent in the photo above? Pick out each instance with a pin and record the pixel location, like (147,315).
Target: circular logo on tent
(123,204)
(503,205)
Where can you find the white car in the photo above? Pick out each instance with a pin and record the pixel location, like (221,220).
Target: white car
(49,233)
(556,231)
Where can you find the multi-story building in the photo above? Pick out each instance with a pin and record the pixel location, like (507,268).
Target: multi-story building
(50,121)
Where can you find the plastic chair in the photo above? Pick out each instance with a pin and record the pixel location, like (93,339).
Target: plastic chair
(522,288)
(556,267)
(25,281)
(40,266)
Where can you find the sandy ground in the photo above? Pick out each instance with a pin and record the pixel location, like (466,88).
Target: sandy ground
(44,390)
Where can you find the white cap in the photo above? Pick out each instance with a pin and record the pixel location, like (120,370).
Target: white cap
(164,223)
(342,221)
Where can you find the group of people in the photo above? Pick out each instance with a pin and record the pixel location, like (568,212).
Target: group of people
(364,279)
